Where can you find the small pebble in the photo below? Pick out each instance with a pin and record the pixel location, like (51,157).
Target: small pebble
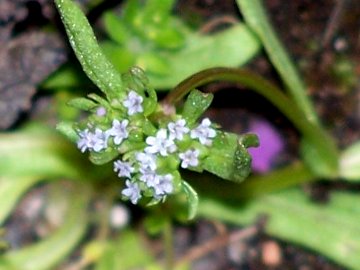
(271,253)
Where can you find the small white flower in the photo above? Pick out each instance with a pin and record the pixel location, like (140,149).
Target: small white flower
(165,185)
(98,140)
(84,141)
(160,144)
(133,103)
(147,161)
(132,191)
(204,132)
(124,169)
(118,130)
(189,158)
(178,129)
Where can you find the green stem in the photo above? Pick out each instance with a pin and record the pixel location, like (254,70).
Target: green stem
(319,139)
(168,245)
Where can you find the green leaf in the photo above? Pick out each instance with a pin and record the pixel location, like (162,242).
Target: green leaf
(11,189)
(42,153)
(157,11)
(101,158)
(50,251)
(83,41)
(195,105)
(255,16)
(115,28)
(120,57)
(124,253)
(228,158)
(66,128)
(153,63)
(331,229)
(232,47)
(350,162)
(169,38)
(192,198)
(84,104)
(242,158)
(316,161)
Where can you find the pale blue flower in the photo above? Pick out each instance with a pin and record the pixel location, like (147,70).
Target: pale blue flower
(160,144)
(204,132)
(189,158)
(118,130)
(97,141)
(132,191)
(177,129)
(146,161)
(133,103)
(164,185)
(124,169)
(85,137)
(150,178)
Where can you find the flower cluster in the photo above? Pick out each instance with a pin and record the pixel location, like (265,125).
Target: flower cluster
(146,169)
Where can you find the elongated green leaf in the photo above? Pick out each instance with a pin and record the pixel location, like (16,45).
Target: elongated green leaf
(11,189)
(255,16)
(331,229)
(49,252)
(232,47)
(83,41)
(115,28)
(42,153)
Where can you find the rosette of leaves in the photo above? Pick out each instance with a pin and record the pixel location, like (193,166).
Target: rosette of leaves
(147,142)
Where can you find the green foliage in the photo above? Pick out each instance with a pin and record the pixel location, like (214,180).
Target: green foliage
(150,37)
(329,228)
(135,105)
